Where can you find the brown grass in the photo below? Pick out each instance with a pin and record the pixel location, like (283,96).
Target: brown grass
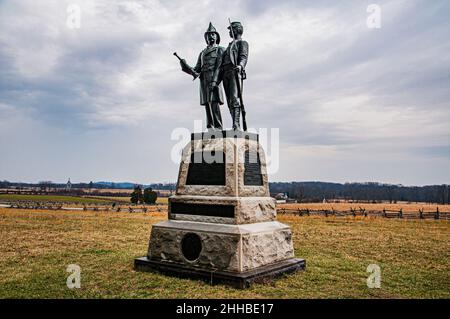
(37,246)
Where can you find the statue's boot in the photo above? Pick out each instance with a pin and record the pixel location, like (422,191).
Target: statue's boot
(217,116)
(236,118)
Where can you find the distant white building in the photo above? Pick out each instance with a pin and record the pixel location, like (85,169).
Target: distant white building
(68,185)
(281,198)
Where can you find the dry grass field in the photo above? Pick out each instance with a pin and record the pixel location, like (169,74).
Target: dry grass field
(159,200)
(51,198)
(37,246)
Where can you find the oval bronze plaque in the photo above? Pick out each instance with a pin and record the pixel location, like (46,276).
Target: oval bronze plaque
(191,246)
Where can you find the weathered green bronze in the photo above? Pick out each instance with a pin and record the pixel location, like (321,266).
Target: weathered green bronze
(233,73)
(207,69)
(216,65)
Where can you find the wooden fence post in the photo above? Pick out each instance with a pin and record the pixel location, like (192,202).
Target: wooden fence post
(400,213)
(384,212)
(421,213)
(437,213)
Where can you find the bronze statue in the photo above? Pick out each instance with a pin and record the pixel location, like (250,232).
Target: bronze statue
(233,73)
(208,68)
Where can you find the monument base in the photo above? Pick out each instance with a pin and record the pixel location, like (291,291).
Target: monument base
(239,280)
(222,223)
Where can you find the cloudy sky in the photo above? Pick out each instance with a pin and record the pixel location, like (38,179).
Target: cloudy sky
(100,102)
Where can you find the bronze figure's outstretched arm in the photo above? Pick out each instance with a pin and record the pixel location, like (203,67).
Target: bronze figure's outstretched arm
(186,68)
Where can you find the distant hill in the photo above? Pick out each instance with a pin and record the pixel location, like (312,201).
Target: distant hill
(121,185)
(301,191)
(129,185)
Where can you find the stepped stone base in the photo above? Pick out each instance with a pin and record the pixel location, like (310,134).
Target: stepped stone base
(242,210)
(238,280)
(221,247)
(222,221)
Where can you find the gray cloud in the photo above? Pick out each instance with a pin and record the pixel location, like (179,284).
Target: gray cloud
(100,102)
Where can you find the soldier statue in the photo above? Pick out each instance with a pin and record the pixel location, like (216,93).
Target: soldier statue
(233,73)
(208,68)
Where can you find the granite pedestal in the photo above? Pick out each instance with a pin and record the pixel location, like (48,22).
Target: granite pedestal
(222,223)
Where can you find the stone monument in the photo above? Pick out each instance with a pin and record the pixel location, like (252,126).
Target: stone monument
(222,221)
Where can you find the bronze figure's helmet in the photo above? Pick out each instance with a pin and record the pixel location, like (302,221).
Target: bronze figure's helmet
(211,29)
(237,27)
(235,24)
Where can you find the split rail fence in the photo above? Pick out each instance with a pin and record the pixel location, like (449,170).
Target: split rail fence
(90,207)
(421,214)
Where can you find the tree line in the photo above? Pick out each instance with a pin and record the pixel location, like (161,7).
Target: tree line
(90,185)
(318,191)
(301,191)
